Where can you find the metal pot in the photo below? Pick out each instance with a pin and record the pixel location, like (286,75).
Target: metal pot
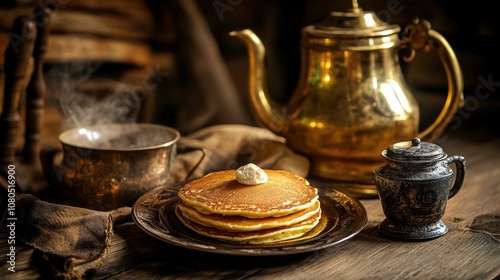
(414,187)
(105,167)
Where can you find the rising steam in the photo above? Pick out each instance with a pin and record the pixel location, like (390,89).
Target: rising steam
(85,100)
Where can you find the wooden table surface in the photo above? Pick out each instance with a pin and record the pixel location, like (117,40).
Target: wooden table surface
(470,250)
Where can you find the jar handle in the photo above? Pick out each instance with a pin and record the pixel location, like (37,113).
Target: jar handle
(419,35)
(187,149)
(459,178)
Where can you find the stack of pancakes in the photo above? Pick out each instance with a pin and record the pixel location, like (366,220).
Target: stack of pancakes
(218,206)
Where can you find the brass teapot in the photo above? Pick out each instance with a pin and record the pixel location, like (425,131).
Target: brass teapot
(351,101)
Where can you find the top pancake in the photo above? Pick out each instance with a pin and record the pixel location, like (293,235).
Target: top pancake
(220,193)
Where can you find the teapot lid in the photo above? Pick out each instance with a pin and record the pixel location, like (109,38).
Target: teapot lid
(414,151)
(365,29)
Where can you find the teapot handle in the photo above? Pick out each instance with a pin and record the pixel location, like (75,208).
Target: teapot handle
(419,35)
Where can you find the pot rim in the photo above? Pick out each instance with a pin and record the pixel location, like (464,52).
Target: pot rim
(63,136)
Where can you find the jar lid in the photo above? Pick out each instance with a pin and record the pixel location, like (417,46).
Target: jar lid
(355,24)
(414,150)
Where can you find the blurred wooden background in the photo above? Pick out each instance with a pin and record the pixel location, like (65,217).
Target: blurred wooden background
(172,62)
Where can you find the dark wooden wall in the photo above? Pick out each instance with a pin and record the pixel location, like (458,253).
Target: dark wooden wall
(121,45)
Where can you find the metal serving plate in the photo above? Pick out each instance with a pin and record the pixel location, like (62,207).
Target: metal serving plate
(342,218)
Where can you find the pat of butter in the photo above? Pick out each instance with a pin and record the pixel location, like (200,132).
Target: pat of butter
(251,174)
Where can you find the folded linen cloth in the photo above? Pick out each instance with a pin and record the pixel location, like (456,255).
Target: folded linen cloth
(75,240)
(231,146)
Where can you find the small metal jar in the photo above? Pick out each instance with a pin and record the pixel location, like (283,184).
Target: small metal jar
(414,187)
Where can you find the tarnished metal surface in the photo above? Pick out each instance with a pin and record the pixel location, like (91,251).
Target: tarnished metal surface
(414,187)
(105,167)
(352,100)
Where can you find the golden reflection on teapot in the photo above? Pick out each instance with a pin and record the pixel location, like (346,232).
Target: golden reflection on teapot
(351,100)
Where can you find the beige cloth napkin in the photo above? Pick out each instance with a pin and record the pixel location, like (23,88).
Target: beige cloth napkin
(231,146)
(75,240)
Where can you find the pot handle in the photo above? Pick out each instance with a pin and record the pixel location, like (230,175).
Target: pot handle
(419,35)
(459,178)
(187,149)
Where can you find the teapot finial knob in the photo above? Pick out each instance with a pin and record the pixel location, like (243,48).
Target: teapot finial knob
(415,142)
(355,6)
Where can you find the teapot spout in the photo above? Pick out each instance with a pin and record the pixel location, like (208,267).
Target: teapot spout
(267,112)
